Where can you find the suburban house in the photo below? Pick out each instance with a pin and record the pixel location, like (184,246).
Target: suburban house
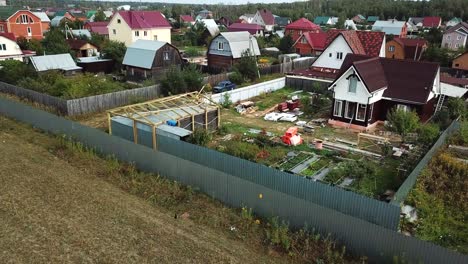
(455,37)
(99,28)
(339,43)
(186,20)
(61,62)
(227,48)
(453,22)
(264,18)
(82,48)
(225,21)
(64,13)
(204,14)
(247,18)
(405,48)
(432,22)
(310,43)
(391,27)
(81,33)
(253,29)
(460,63)
(282,22)
(59,21)
(147,59)
(325,20)
(130,26)
(359,19)
(107,13)
(22,23)
(212,28)
(300,26)
(349,24)
(10,50)
(416,21)
(372,19)
(45,20)
(367,88)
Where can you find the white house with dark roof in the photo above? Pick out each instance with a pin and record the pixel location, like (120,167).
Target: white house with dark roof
(264,18)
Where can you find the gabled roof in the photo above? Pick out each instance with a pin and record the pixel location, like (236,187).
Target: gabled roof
(211,26)
(62,13)
(54,62)
(316,40)
(90,13)
(55,22)
(372,18)
(361,16)
(303,24)
(353,41)
(416,20)
(432,21)
(390,27)
(7,11)
(267,16)
(251,28)
(412,47)
(321,20)
(405,80)
(81,32)
(455,20)
(240,42)
(9,36)
(282,21)
(142,52)
(144,19)
(42,16)
(186,18)
(370,41)
(460,26)
(76,44)
(99,27)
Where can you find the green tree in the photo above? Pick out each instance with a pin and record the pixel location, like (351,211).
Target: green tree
(247,66)
(12,71)
(286,44)
(114,50)
(174,82)
(457,107)
(428,133)
(402,122)
(193,78)
(98,40)
(54,42)
(100,16)
(32,44)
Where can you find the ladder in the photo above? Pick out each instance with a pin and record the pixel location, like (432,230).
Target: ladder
(440,102)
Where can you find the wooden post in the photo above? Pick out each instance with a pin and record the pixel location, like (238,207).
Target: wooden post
(135,132)
(109,123)
(193,123)
(155,143)
(206,119)
(219,117)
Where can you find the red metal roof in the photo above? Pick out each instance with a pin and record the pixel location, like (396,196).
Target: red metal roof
(251,28)
(303,24)
(317,41)
(187,18)
(431,21)
(9,36)
(462,82)
(316,72)
(98,27)
(144,19)
(267,16)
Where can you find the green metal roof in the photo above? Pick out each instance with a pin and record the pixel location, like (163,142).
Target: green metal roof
(60,13)
(372,18)
(89,14)
(321,20)
(7,11)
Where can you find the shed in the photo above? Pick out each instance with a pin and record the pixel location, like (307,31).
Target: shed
(63,62)
(173,132)
(95,64)
(150,58)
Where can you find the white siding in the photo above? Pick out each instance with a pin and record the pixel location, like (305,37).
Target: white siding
(338,45)
(11,51)
(382,48)
(162,34)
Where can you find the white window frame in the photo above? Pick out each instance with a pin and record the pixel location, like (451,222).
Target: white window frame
(29,30)
(357,112)
(346,111)
(339,55)
(166,55)
(155,37)
(349,85)
(220,45)
(340,102)
(137,33)
(1,47)
(391,48)
(303,40)
(371,111)
(145,33)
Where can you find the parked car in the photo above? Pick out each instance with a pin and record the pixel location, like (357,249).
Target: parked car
(224,86)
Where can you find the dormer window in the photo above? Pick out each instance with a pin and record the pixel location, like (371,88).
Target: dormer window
(24,19)
(303,40)
(352,84)
(339,55)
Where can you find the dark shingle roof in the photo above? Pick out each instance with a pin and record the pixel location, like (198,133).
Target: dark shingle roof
(361,42)
(267,16)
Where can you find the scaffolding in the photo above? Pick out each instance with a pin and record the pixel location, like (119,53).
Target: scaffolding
(189,110)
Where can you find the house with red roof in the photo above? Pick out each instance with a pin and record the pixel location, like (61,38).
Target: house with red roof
(367,88)
(405,48)
(253,29)
(431,22)
(300,26)
(310,43)
(129,26)
(339,43)
(10,50)
(186,20)
(264,18)
(99,28)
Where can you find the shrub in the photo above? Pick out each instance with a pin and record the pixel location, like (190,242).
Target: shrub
(192,52)
(13,71)
(428,133)
(247,66)
(226,103)
(277,233)
(402,122)
(236,77)
(243,150)
(442,118)
(457,107)
(200,137)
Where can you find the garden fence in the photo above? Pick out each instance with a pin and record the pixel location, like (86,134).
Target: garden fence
(379,244)
(305,84)
(410,181)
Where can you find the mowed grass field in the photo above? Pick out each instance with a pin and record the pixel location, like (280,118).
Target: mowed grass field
(58,207)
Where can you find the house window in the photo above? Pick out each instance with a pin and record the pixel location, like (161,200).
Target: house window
(2,29)
(448,37)
(403,107)
(29,30)
(166,55)
(303,40)
(300,32)
(352,84)
(1,47)
(456,45)
(145,33)
(24,19)
(220,45)
(361,112)
(137,33)
(458,37)
(330,55)
(118,21)
(155,37)
(391,48)
(371,111)
(338,107)
(4,46)
(349,110)
(339,55)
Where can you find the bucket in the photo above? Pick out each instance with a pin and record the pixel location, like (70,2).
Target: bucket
(319,144)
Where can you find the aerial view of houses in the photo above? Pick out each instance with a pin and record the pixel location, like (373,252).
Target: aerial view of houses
(312,131)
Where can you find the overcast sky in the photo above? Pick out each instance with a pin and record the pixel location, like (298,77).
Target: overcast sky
(212,1)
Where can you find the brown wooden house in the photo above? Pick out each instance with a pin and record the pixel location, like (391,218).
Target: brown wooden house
(460,63)
(405,48)
(146,59)
(82,48)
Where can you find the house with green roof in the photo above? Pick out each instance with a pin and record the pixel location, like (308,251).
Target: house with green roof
(372,19)
(453,22)
(90,13)
(323,20)
(7,11)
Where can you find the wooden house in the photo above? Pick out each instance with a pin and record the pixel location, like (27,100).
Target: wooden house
(405,48)
(146,59)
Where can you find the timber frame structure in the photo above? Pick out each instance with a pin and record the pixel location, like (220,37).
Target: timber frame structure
(190,110)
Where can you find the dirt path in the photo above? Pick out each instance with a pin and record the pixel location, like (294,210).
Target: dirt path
(51,211)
